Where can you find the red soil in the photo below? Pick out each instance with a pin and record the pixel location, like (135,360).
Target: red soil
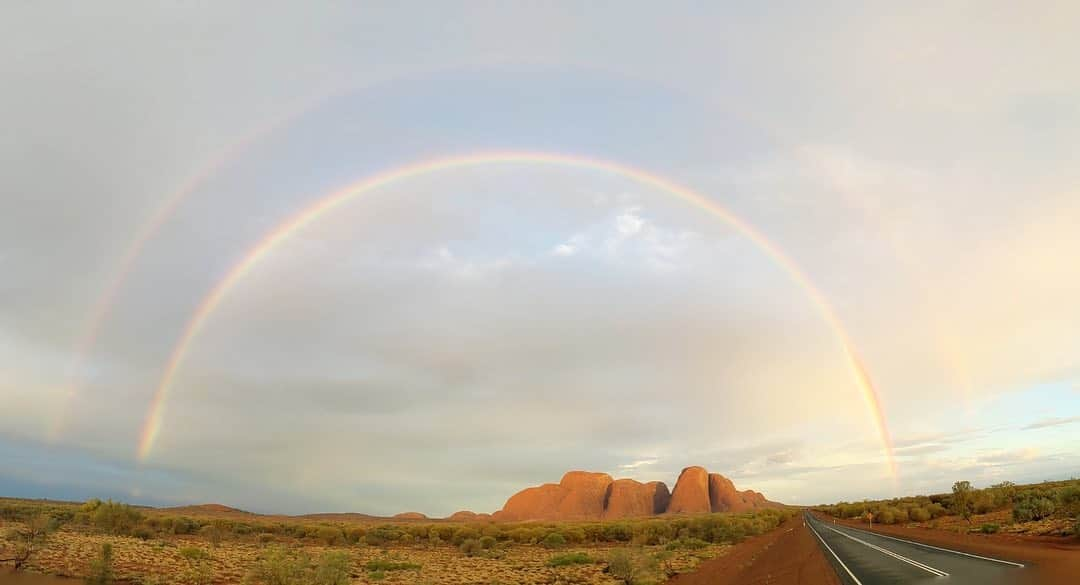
(1050,560)
(789,555)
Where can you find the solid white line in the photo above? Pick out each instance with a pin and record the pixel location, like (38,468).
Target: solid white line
(911,562)
(958,552)
(829,548)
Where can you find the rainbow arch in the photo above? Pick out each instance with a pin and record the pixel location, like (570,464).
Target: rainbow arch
(152,423)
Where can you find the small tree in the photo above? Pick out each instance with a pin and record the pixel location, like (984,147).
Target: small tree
(29,540)
(962,499)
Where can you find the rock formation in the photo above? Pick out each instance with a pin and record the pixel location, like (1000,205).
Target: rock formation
(691,493)
(583,495)
(627,498)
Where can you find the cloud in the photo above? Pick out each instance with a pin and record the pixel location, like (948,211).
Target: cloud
(456,336)
(638,463)
(1051,422)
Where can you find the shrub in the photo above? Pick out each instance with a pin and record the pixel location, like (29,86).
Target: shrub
(553,540)
(213,533)
(617,532)
(278,567)
(989,528)
(621,566)
(885,516)
(330,535)
(142,533)
(116,518)
(381,535)
(486,542)
(574,558)
(470,547)
(101,569)
(1032,505)
(464,533)
(919,514)
(962,499)
(332,569)
(353,535)
(1069,499)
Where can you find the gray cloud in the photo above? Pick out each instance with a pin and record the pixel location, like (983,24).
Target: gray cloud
(474,331)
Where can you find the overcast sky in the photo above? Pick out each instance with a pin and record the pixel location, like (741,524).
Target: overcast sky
(442,342)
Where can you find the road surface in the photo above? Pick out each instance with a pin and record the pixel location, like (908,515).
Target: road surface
(866,558)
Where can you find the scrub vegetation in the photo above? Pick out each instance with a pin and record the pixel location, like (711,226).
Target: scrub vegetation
(105,541)
(1048,508)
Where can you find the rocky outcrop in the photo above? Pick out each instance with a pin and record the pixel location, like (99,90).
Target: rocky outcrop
(410,516)
(691,493)
(627,498)
(723,497)
(582,495)
(579,495)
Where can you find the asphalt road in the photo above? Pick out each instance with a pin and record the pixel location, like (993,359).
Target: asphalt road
(866,558)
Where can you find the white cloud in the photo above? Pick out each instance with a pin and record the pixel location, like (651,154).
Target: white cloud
(639,463)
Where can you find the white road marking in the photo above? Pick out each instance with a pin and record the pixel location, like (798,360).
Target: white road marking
(957,552)
(886,551)
(829,548)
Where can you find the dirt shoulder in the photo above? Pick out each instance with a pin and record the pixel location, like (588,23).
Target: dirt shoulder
(788,555)
(1050,560)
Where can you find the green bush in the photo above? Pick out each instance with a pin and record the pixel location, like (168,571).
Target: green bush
(330,535)
(464,533)
(554,540)
(919,514)
(470,547)
(621,566)
(116,518)
(278,567)
(1033,505)
(617,532)
(1069,500)
(989,528)
(574,558)
(487,542)
(101,569)
(332,569)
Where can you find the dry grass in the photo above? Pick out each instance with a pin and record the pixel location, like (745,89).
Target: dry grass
(72,549)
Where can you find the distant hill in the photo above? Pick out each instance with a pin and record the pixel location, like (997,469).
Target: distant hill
(207,510)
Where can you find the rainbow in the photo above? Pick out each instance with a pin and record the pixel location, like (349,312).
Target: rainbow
(153,421)
(106,301)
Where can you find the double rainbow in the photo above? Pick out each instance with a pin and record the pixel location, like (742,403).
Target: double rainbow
(154,418)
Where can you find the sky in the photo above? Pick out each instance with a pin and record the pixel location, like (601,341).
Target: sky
(444,340)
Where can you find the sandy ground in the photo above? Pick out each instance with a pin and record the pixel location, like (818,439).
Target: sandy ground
(1050,560)
(789,555)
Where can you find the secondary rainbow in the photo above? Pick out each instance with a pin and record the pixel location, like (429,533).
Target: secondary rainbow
(153,420)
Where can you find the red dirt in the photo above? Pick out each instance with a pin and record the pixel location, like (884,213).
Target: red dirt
(1051,560)
(788,555)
